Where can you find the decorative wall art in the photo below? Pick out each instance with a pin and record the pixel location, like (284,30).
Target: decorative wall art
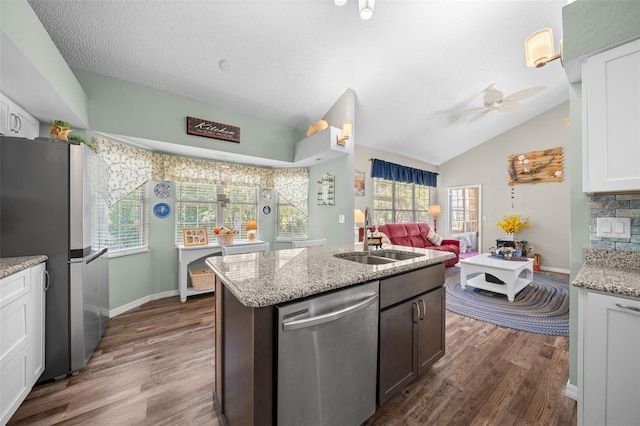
(211,129)
(326,190)
(359,183)
(536,167)
(195,237)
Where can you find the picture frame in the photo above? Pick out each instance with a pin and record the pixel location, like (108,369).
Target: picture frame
(195,237)
(358,184)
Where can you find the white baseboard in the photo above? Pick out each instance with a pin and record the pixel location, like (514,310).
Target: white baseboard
(132,305)
(571,391)
(559,270)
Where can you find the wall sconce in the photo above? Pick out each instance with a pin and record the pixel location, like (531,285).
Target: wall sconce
(434,210)
(538,48)
(252,227)
(347,128)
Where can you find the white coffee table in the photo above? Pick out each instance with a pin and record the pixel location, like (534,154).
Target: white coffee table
(505,270)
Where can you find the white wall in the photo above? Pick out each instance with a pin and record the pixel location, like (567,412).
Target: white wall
(547,204)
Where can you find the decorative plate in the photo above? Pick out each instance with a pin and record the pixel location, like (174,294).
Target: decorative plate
(266,195)
(162,210)
(162,190)
(266,210)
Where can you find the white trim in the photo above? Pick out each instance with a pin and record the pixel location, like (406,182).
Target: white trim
(571,391)
(128,252)
(559,270)
(136,303)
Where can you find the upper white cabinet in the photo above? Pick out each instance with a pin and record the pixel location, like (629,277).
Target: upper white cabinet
(320,147)
(14,121)
(608,359)
(611,120)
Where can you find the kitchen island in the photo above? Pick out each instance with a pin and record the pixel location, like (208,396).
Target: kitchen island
(249,287)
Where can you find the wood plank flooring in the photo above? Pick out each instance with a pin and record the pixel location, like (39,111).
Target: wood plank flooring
(154,366)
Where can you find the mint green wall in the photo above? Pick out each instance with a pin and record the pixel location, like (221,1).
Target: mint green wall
(129,109)
(19,22)
(589,26)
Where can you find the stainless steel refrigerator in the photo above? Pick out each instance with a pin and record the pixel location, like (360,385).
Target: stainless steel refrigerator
(52,202)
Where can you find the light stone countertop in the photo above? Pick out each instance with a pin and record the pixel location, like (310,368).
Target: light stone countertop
(11,265)
(616,272)
(272,277)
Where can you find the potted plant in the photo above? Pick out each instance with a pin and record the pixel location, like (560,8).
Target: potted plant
(81,139)
(60,130)
(513,224)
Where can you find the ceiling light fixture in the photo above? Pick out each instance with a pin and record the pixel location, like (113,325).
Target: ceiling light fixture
(366,8)
(538,48)
(340,2)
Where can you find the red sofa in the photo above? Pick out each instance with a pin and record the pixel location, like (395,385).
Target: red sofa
(415,235)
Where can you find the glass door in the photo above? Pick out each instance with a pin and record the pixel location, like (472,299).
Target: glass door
(464,212)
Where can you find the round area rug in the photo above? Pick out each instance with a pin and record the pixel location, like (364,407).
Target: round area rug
(542,307)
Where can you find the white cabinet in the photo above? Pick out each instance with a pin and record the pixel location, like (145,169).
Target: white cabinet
(21,336)
(608,359)
(611,120)
(14,121)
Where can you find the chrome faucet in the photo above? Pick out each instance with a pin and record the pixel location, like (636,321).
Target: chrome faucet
(367,219)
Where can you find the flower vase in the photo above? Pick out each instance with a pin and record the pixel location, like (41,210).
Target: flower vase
(508,236)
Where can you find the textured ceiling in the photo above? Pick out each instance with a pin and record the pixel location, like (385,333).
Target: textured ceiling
(411,65)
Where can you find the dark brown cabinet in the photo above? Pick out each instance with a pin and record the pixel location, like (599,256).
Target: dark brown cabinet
(411,330)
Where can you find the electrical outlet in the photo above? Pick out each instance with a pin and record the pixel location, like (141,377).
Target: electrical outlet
(341,218)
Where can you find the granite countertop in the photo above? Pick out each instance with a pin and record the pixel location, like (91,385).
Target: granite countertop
(11,265)
(272,277)
(616,272)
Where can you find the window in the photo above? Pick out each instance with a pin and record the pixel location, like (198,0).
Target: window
(292,223)
(464,210)
(128,222)
(398,202)
(197,207)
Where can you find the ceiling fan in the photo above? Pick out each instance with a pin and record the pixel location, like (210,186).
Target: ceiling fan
(494,100)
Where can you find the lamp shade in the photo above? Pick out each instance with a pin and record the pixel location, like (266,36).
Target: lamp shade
(358,216)
(251,224)
(347,129)
(434,209)
(538,47)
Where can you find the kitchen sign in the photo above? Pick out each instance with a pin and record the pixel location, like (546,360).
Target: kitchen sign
(211,129)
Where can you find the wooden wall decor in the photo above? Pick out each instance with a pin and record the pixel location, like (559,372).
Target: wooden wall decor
(211,129)
(536,167)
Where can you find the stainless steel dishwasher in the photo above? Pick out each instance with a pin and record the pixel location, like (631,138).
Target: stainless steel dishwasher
(327,358)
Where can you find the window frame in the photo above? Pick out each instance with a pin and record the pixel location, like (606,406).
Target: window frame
(418,213)
(142,199)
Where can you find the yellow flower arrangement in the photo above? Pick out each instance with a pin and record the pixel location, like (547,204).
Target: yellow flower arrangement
(513,223)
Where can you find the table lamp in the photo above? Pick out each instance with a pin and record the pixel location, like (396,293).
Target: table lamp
(434,210)
(252,229)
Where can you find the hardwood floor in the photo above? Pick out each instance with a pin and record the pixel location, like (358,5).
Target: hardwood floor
(154,366)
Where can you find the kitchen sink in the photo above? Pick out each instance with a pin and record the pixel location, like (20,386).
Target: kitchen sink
(396,254)
(378,257)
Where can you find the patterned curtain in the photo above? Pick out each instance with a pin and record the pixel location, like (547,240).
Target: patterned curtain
(129,167)
(292,184)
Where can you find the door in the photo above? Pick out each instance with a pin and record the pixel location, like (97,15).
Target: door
(464,209)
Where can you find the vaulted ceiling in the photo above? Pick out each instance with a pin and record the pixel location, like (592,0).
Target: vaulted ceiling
(413,66)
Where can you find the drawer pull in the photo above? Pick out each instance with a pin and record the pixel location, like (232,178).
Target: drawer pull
(631,308)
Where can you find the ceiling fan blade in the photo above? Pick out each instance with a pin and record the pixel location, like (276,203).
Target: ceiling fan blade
(524,94)
(479,115)
(511,106)
(493,96)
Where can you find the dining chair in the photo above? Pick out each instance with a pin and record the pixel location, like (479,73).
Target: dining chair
(308,243)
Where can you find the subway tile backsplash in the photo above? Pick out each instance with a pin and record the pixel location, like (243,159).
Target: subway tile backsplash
(615,205)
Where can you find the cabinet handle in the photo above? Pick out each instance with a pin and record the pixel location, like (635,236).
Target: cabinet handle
(414,311)
(18,124)
(47,281)
(424,309)
(631,308)
(12,122)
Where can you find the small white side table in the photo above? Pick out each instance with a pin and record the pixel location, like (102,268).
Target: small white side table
(187,255)
(505,270)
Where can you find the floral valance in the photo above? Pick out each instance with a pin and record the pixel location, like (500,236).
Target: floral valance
(399,173)
(129,167)
(292,184)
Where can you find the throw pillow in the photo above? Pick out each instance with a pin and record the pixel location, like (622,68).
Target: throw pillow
(463,244)
(435,239)
(469,243)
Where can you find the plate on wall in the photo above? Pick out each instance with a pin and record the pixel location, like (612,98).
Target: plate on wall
(162,210)
(266,195)
(162,190)
(266,210)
